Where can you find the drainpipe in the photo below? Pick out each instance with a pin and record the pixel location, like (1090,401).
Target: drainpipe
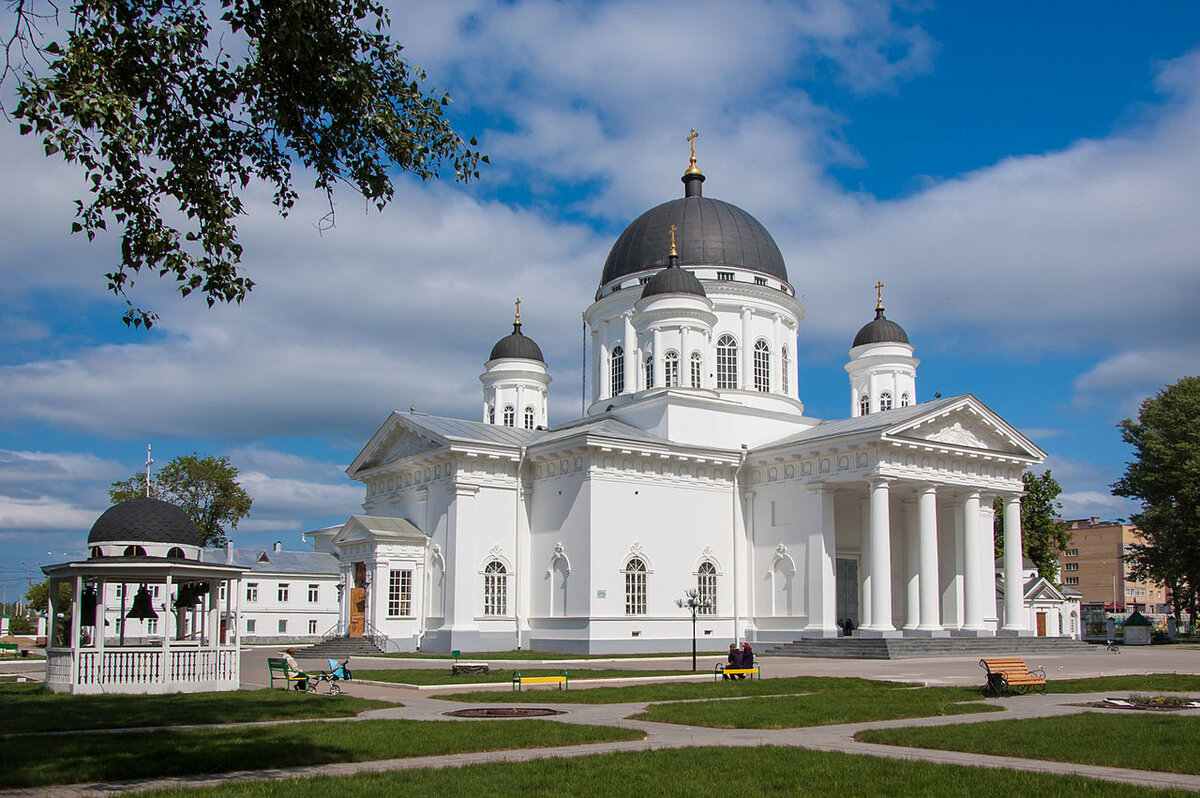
(520,575)
(737,614)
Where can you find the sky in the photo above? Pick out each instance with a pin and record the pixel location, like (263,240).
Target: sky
(1024,178)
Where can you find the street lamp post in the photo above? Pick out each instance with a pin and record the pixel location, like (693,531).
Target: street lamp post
(693,602)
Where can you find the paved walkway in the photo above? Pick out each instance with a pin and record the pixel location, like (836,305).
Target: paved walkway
(419,705)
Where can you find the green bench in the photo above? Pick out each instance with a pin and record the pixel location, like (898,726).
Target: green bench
(518,681)
(281,671)
(9,648)
(721,672)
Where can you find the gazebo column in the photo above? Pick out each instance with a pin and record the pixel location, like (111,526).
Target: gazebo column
(1014,585)
(164,672)
(75,642)
(881,563)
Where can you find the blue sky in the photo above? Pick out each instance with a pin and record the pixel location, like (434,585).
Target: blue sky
(1023,177)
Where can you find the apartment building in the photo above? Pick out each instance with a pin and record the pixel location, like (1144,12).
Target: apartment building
(1094,565)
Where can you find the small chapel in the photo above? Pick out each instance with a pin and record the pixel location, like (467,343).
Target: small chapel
(693,466)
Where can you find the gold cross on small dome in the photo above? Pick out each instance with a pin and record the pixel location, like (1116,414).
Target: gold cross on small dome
(879,295)
(518,319)
(673,229)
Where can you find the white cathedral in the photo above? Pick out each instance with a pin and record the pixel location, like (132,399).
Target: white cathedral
(694,467)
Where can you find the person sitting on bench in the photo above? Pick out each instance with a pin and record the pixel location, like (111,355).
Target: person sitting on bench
(289,657)
(747,659)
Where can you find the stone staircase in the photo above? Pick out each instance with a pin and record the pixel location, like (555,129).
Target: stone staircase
(913,647)
(339,648)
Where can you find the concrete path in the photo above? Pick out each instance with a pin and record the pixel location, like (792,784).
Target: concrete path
(420,705)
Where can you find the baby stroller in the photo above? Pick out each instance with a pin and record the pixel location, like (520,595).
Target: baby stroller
(337,672)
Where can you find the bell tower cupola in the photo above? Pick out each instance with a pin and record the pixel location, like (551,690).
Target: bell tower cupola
(515,381)
(883,371)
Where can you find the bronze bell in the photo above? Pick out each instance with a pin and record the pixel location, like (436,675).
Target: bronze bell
(142,608)
(87,606)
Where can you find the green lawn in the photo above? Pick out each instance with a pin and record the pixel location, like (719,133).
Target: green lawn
(489,656)
(1150,682)
(70,758)
(499,675)
(696,773)
(820,709)
(676,691)
(1144,740)
(27,708)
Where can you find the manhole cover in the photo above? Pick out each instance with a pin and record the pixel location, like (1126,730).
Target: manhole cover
(505,712)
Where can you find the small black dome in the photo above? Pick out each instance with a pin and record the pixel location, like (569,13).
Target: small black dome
(879,331)
(673,280)
(709,232)
(147,521)
(517,345)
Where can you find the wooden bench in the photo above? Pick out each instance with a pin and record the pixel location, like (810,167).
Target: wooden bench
(469,667)
(281,671)
(10,648)
(1011,675)
(722,672)
(518,681)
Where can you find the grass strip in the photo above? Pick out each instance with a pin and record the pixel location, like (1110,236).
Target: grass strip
(28,708)
(677,691)
(820,709)
(1140,740)
(41,761)
(524,654)
(696,773)
(1149,682)
(499,675)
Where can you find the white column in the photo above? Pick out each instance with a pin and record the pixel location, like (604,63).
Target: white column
(972,595)
(633,360)
(603,388)
(819,573)
(597,364)
(928,563)
(685,357)
(864,562)
(776,360)
(519,417)
(747,358)
(660,377)
(881,562)
(1014,587)
(912,572)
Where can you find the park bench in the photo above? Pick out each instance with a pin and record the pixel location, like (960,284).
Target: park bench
(722,672)
(518,681)
(469,667)
(1011,675)
(281,671)
(9,648)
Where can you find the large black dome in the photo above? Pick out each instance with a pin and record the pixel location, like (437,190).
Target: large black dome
(880,330)
(147,521)
(517,345)
(708,232)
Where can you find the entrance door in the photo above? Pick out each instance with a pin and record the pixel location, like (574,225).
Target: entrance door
(847,590)
(358,610)
(1041,624)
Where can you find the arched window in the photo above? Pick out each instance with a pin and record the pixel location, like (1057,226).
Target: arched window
(697,370)
(885,401)
(495,589)
(135,551)
(671,369)
(635,587)
(97,552)
(617,370)
(529,418)
(864,405)
(727,362)
(904,399)
(649,371)
(510,416)
(762,366)
(785,368)
(491,414)
(175,553)
(706,583)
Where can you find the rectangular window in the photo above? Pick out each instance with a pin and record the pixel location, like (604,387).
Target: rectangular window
(314,594)
(1071,553)
(154,591)
(152,626)
(1070,566)
(251,591)
(1072,580)
(283,592)
(283,627)
(250,624)
(400,594)
(726,276)
(312,626)
(221,592)
(760,280)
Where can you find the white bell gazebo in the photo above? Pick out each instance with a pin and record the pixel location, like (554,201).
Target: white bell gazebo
(177,635)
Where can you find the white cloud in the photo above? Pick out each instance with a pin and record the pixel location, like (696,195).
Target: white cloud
(1131,377)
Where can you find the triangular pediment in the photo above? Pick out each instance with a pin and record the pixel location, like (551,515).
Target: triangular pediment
(393,442)
(968,424)
(375,529)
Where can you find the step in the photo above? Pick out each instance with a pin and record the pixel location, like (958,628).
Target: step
(911,648)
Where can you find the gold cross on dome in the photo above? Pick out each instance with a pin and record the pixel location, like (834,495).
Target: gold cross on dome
(879,295)
(673,229)
(691,139)
(518,319)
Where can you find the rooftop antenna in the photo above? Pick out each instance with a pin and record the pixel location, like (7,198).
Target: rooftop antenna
(149,462)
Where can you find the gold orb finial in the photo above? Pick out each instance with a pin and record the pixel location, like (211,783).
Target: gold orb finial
(879,296)
(691,140)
